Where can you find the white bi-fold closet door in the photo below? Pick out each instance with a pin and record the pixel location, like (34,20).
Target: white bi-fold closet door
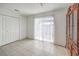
(0,30)
(10,29)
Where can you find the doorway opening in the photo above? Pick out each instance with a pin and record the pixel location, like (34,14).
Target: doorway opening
(44,29)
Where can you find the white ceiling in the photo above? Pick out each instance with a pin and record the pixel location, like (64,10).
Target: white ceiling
(33,8)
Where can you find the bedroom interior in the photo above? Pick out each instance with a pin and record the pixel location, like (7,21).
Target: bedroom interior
(39,29)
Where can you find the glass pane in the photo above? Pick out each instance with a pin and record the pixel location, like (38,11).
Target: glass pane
(67,26)
(75,27)
(71,26)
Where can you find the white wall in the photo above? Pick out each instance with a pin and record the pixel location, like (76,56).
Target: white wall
(12,26)
(30,27)
(60,25)
(23,27)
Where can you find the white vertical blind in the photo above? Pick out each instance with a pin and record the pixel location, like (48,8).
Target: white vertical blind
(44,29)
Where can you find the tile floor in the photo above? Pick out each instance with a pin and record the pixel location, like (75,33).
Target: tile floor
(28,47)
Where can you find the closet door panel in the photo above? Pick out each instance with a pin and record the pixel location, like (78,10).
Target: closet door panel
(15,28)
(3,33)
(0,30)
(11,29)
(23,27)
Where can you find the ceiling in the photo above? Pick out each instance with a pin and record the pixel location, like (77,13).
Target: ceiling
(32,8)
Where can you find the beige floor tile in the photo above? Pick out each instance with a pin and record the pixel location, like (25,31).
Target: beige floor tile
(28,47)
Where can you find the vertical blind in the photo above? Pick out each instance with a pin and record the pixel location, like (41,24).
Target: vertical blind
(44,29)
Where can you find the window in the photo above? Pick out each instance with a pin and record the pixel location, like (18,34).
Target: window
(44,29)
